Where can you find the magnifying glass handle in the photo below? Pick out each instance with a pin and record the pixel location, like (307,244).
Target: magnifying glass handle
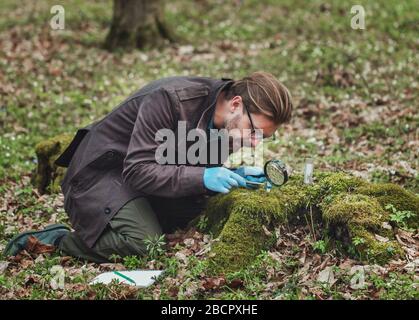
(268,186)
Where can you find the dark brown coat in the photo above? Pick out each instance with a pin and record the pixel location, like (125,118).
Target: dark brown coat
(112,161)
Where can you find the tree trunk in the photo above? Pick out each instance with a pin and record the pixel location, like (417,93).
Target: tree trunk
(138,24)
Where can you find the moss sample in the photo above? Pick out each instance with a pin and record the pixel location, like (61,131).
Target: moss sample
(352,210)
(48,176)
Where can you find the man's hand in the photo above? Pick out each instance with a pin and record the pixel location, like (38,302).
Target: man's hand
(220,179)
(254,174)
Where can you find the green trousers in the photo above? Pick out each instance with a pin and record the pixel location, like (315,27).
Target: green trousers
(139,219)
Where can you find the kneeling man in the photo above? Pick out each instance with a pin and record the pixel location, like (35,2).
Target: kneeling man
(127,181)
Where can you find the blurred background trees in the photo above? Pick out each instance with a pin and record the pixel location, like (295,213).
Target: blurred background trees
(137,24)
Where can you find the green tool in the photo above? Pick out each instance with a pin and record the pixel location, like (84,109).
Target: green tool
(125,277)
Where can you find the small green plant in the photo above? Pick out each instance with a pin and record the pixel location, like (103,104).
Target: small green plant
(115,258)
(320,246)
(400,217)
(3,281)
(131,262)
(357,241)
(352,248)
(155,246)
(202,223)
(172,266)
(395,286)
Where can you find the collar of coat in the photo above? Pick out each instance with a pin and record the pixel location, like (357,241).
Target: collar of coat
(215,90)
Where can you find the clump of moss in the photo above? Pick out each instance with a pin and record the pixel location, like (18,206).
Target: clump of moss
(350,207)
(392,194)
(217,212)
(362,218)
(48,176)
(237,220)
(367,247)
(241,234)
(337,182)
(332,184)
(354,209)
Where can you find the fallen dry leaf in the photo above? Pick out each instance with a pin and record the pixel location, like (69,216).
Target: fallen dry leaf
(213,283)
(381,239)
(112,266)
(235,284)
(327,276)
(33,245)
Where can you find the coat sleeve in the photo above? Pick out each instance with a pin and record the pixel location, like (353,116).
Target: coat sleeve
(141,170)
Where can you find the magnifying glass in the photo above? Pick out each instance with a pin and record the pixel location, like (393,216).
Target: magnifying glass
(275,172)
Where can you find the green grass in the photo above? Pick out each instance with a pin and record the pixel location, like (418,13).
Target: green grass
(55,82)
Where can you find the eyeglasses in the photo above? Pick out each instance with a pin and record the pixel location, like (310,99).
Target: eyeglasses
(253,130)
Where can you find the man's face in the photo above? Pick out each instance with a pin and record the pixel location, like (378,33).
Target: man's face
(239,125)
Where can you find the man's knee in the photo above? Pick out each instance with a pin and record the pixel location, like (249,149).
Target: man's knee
(136,220)
(141,246)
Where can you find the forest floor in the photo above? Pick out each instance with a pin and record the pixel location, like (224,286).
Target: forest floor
(356,101)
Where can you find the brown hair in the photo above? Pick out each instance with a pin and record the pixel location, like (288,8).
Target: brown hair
(262,93)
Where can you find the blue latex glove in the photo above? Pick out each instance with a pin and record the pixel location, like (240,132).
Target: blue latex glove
(220,179)
(254,174)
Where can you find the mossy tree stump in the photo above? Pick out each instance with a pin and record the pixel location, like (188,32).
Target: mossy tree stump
(48,176)
(352,210)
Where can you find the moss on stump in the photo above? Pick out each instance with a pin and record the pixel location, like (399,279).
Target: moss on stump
(48,176)
(352,209)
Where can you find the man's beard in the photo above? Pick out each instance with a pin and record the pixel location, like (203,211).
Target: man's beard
(234,143)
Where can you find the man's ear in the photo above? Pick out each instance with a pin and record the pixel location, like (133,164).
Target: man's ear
(235,103)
